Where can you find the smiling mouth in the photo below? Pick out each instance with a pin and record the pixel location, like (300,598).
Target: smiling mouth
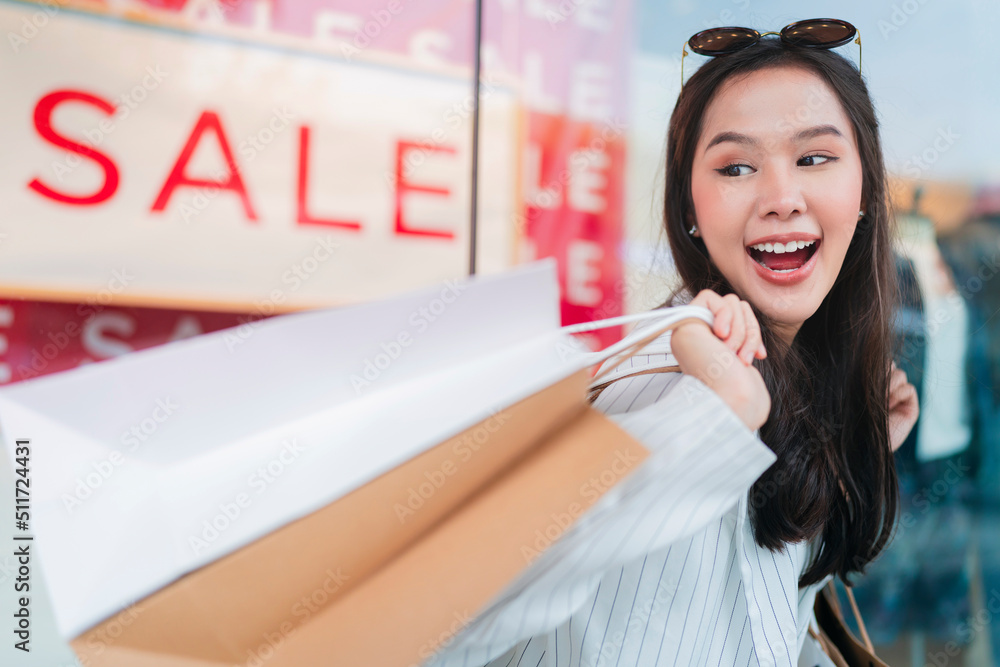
(783,257)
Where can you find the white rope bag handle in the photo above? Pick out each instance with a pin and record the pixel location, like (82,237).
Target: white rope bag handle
(665,319)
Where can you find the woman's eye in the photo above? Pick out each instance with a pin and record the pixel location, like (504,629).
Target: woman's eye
(814,160)
(735,170)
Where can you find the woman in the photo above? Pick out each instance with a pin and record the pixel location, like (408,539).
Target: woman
(778,222)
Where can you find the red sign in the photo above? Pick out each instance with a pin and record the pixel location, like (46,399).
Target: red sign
(38,338)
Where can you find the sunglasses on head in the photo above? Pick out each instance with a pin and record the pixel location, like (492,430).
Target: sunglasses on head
(808,34)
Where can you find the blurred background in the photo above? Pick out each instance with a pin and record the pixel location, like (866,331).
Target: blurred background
(173,167)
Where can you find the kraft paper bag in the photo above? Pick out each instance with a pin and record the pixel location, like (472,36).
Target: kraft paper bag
(337,487)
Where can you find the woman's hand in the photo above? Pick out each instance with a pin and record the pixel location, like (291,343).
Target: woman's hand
(722,356)
(903,408)
(735,324)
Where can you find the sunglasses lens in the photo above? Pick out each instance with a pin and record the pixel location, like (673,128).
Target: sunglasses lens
(825,33)
(720,41)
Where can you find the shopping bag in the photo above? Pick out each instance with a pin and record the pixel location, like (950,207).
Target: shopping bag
(342,487)
(835,638)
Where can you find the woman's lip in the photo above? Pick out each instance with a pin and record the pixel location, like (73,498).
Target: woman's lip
(784,279)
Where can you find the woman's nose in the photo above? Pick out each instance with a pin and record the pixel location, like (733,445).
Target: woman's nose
(780,194)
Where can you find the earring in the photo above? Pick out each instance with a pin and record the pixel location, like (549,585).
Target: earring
(693,229)
(861,214)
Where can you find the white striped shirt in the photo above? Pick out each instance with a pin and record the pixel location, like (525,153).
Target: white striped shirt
(664,569)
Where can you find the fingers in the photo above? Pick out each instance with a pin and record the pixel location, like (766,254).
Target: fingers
(900,390)
(913,402)
(753,346)
(908,400)
(738,325)
(716,304)
(896,382)
(903,413)
(734,324)
(903,400)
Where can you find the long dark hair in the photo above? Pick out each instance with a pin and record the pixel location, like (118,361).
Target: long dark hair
(835,475)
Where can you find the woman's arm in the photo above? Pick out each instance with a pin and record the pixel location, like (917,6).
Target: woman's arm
(721,356)
(702,461)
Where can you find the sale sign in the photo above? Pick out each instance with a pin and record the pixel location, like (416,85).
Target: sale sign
(575,61)
(261,156)
(574,212)
(38,338)
(209,168)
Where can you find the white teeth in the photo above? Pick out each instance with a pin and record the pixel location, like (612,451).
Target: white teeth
(779,248)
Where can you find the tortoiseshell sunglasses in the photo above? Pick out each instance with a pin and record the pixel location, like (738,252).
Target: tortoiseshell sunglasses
(809,34)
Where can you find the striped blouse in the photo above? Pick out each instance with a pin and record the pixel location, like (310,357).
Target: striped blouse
(663,569)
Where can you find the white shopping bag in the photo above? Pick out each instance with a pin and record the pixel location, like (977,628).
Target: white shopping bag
(151,466)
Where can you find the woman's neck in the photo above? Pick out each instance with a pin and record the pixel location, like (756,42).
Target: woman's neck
(787,332)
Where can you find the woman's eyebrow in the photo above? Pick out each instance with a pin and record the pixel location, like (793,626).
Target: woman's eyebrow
(734,137)
(802,135)
(818,131)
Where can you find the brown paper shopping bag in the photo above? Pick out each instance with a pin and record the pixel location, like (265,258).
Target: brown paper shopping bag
(382,592)
(467,458)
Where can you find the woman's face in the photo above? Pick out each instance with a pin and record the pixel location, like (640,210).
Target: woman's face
(776,183)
